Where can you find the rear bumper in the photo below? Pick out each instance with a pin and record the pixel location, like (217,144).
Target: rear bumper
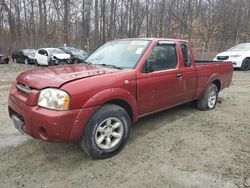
(49,125)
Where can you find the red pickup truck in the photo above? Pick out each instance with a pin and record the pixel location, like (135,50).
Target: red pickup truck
(96,102)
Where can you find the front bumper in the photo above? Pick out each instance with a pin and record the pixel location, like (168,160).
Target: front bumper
(237,62)
(49,125)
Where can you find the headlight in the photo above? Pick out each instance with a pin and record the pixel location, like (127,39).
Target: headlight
(54,99)
(235,56)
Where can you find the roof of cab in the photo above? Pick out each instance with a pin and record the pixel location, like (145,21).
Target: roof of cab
(156,39)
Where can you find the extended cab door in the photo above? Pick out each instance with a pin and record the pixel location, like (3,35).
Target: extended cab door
(161,86)
(188,72)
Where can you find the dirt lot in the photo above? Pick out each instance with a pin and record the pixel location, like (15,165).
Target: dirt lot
(182,147)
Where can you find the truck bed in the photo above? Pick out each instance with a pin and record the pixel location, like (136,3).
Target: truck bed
(206,70)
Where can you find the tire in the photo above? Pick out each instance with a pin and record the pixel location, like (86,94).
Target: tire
(5,61)
(209,101)
(26,61)
(62,62)
(36,63)
(99,128)
(245,65)
(51,63)
(15,61)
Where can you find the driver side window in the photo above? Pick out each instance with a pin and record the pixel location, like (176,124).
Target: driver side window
(163,57)
(43,52)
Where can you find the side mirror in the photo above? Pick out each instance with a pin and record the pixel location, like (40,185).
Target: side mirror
(149,66)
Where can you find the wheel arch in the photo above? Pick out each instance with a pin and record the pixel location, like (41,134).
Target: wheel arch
(124,104)
(117,96)
(214,79)
(26,57)
(217,82)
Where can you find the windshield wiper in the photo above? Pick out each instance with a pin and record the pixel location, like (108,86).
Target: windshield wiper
(113,66)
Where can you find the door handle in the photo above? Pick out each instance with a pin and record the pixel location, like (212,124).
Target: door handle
(178,75)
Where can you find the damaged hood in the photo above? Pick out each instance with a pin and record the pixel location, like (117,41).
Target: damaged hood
(59,75)
(61,56)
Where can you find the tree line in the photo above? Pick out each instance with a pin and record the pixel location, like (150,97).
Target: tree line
(214,24)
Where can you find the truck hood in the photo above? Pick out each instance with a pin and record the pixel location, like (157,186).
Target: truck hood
(59,75)
(61,56)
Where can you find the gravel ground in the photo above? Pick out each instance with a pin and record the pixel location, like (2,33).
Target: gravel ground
(181,147)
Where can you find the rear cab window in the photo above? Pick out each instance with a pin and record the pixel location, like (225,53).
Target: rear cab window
(185,55)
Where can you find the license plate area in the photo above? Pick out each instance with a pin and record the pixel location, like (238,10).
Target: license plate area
(18,123)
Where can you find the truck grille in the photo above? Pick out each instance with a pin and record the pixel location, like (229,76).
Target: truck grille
(222,58)
(23,88)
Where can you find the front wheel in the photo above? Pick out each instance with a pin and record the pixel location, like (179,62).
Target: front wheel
(26,61)
(107,132)
(245,65)
(209,100)
(36,63)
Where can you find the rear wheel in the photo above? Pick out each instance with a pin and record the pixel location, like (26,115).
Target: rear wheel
(107,132)
(26,61)
(245,65)
(14,60)
(209,100)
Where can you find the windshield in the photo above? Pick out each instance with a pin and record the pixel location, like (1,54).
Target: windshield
(119,53)
(55,51)
(240,47)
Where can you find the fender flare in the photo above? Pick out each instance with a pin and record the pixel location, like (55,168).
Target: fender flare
(114,94)
(214,77)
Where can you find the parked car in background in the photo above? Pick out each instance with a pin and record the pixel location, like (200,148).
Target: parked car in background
(26,56)
(77,55)
(96,102)
(4,59)
(51,56)
(239,55)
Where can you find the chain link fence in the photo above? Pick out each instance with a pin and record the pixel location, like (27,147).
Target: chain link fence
(208,53)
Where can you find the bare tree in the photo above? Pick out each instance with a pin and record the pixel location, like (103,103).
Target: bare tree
(217,24)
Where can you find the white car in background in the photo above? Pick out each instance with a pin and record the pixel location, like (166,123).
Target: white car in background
(239,55)
(51,56)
